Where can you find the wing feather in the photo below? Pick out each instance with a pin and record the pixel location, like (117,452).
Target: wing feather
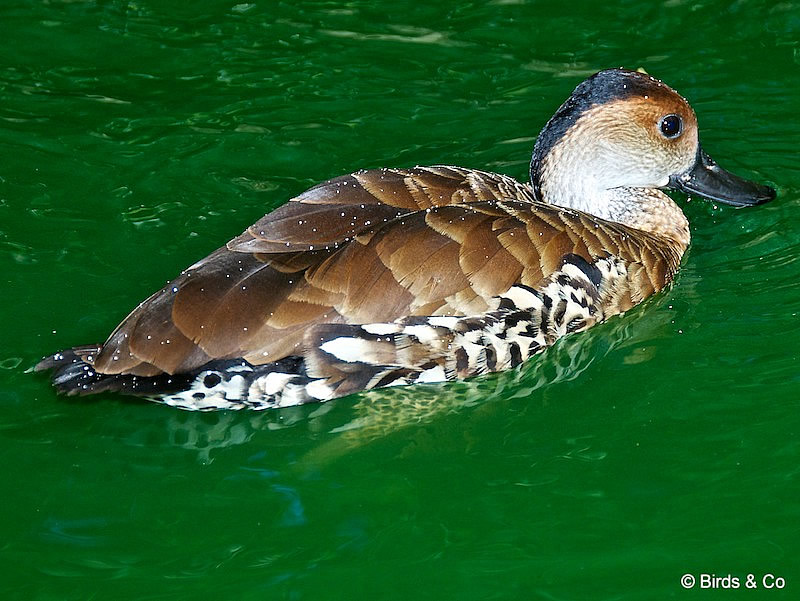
(370,247)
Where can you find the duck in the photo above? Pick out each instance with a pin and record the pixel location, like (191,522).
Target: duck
(397,276)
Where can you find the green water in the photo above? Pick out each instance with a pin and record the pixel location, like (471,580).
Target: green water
(136,137)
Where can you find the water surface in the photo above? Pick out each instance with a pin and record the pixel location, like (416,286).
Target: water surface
(136,137)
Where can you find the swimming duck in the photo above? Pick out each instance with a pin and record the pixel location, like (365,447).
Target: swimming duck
(395,276)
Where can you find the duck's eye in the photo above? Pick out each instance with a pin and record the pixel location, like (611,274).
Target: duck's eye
(671,126)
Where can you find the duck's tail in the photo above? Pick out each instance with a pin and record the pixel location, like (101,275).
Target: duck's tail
(222,384)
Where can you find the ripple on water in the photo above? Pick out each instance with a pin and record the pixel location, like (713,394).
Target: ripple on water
(10,363)
(150,216)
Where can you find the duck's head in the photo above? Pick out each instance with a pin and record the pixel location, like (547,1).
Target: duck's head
(619,138)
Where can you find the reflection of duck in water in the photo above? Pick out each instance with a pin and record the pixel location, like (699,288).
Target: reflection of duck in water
(340,428)
(397,276)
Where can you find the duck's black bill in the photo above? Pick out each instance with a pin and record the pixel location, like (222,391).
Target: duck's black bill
(709,180)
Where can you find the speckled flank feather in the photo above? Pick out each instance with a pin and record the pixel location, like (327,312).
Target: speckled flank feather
(345,358)
(522,323)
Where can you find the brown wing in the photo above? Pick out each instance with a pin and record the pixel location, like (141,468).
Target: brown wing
(369,247)
(333,212)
